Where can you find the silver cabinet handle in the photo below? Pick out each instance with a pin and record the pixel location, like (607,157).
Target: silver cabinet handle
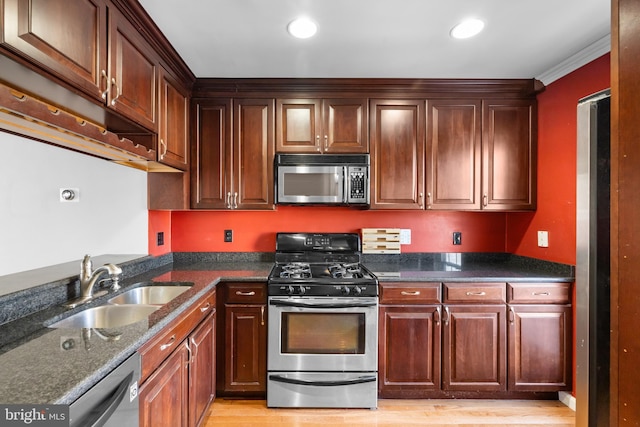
(118,92)
(437,316)
(165,346)
(205,308)
(410,293)
(319,148)
(228,200)
(190,357)
(245,294)
(485,200)
(420,196)
(108,86)
(512,316)
(446,316)
(428,200)
(543,294)
(479,294)
(163,148)
(262,316)
(326,143)
(235,200)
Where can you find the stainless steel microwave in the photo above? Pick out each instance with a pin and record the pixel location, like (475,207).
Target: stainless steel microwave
(322,179)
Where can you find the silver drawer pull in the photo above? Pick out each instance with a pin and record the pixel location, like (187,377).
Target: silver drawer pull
(246,294)
(205,308)
(169,344)
(480,294)
(544,294)
(413,293)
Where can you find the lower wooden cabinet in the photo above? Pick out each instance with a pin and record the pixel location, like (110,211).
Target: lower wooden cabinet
(177,391)
(477,340)
(408,351)
(474,349)
(164,396)
(243,370)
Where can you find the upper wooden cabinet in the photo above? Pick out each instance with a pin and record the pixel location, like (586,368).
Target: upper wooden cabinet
(133,72)
(74,48)
(509,145)
(173,134)
(322,126)
(232,154)
(397,154)
(453,154)
(92,47)
(480,155)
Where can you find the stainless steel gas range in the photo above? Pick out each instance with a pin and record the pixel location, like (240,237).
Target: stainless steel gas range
(323,324)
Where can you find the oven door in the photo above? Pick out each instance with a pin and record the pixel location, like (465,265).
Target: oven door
(323,334)
(310,184)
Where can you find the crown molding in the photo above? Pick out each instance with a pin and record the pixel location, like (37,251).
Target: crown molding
(586,55)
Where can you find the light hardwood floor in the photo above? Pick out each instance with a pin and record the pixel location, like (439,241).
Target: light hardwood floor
(434,413)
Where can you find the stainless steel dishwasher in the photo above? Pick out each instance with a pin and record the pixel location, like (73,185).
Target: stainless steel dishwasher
(113,402)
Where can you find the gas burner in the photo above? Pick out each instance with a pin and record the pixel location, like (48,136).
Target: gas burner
(296,270)
(346,271)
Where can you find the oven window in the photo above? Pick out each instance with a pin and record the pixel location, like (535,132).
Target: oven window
(323,333)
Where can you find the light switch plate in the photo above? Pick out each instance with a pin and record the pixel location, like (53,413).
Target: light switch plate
(543,239)
(405,236)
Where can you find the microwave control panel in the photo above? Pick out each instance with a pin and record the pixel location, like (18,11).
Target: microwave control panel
(358,188)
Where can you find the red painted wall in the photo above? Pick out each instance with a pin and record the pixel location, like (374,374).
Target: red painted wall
(203,231)
(255,231)
(556,211)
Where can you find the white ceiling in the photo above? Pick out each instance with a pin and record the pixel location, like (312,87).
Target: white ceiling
(384,38)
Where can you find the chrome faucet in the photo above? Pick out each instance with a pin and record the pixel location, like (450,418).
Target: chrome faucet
(89,277)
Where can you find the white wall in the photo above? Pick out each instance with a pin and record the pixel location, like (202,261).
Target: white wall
(37,230)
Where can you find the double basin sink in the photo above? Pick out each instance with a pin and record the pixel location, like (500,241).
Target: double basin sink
(123,309)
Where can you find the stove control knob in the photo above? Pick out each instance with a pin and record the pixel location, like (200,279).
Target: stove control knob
(301,290)
(345,290)
(356,290)
(290,290)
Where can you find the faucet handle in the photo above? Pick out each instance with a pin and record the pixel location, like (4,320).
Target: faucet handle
(86,264)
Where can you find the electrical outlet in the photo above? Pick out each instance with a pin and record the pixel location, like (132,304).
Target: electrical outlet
(457,238)
(543,239)
(228,235)
(160,238)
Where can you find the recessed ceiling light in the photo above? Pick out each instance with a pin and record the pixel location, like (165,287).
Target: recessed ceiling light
(302,28)
(467,28)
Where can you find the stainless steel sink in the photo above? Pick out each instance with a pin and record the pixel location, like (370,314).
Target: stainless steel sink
(156,294)
(107,316)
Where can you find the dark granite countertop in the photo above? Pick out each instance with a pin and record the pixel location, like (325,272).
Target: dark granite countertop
(40,365)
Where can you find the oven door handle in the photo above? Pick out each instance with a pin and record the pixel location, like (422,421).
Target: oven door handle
(359,380)
(321,305)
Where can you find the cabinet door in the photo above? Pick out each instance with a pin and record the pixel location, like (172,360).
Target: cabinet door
(202,371)
(509,155)
(540,347)
(164,396)
(253,145)
(245,349)
(67,38)
(453,154)
(211,154)
(474,348)
(409,351)
(133,72)
(173,136)
(299,126)
(397,154)
(344,126)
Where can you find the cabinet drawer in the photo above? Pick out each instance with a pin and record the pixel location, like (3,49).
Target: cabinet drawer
(158,348)
(246,293)
(410,293)
(475,292)
(532,293)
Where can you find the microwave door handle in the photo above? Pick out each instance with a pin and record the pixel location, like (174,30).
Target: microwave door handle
(345,184)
